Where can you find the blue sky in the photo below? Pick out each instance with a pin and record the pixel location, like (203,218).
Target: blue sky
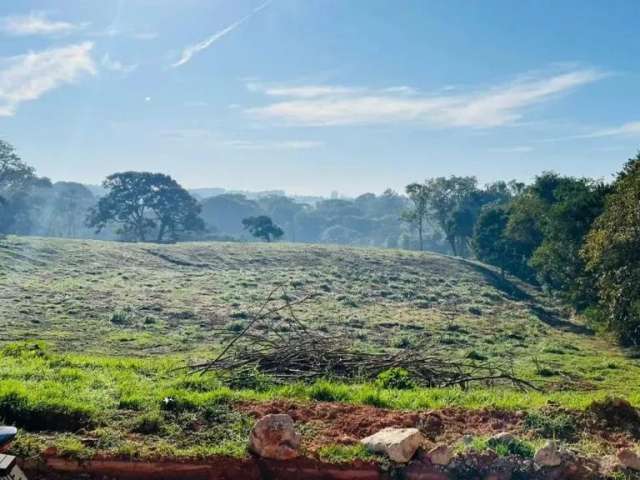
(312,96)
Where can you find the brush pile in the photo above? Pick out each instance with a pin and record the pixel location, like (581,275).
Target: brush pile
(275,342)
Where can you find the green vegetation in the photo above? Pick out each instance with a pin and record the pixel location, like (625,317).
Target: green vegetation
(119,319)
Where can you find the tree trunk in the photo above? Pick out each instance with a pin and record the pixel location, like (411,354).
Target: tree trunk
(452,243)
(161,232)
(420,227)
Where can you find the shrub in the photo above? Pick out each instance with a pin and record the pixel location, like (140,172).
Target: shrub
(552,425)
(397,378)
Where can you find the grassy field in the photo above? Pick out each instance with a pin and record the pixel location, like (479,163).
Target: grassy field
(91,334)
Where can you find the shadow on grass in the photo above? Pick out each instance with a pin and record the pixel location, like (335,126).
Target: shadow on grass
(514,292)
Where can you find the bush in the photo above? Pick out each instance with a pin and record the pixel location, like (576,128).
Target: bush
(397,378)
(552,425)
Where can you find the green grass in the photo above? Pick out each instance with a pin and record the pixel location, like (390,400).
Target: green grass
(114,321)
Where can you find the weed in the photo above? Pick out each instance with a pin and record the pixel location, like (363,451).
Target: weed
(397,378)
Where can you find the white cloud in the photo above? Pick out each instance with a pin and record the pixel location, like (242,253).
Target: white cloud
(27,77)
(626,129)
(304,91)
(325,105)
(274,145)
(629,129)
(116,66)
(37,23)
(191,50)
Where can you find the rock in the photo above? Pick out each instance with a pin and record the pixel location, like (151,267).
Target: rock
(399,444)
(629,459)
(440,455)
(273,436)
(548,456)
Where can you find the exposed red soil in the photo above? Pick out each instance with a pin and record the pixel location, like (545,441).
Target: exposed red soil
(340,423)
(343,423)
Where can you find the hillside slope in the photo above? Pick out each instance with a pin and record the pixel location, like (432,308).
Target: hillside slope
(120,319)
(145,299)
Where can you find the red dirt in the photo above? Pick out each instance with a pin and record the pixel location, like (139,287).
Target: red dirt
(342,423)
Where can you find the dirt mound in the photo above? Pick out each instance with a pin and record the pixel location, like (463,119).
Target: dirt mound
(343,423)
(615,414)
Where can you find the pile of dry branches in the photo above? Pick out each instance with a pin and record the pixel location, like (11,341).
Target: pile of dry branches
(277,343)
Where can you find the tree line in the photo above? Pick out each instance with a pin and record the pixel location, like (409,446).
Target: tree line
(578,238)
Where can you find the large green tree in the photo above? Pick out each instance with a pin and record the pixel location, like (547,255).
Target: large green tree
(143,203)
(612,253)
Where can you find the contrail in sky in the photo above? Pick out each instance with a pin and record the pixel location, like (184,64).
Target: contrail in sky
(191,50)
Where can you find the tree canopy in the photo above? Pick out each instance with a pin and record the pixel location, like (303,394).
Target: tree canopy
(143,203)
(263,227)
(612,253)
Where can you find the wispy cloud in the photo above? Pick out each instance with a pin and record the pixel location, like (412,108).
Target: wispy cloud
(201,134)
(514,149)
(326,105)
(274,145)
(27,77)
(190,51)
(626,129)
(37,23)
(629,129)
(116,66)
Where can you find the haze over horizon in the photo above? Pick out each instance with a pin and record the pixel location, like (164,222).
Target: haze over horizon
(322,95)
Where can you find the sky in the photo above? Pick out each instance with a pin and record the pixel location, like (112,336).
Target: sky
(314,96)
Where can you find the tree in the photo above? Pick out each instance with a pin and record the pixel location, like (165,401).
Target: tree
(417,213)
(492,245)
(16,182)
(262,227)
(68,209)
(282,211)
(15,175)
(612,253)
(142,202)
(451,207)
(567,219)
(225,212)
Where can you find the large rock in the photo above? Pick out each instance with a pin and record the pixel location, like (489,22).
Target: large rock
(548,456)
(399,444)
(440,455)
(274,436)
(629,459)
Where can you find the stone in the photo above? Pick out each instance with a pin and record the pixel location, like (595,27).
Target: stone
(548,456)
(274,436)
(399,444)
(440,455)
(629,459)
